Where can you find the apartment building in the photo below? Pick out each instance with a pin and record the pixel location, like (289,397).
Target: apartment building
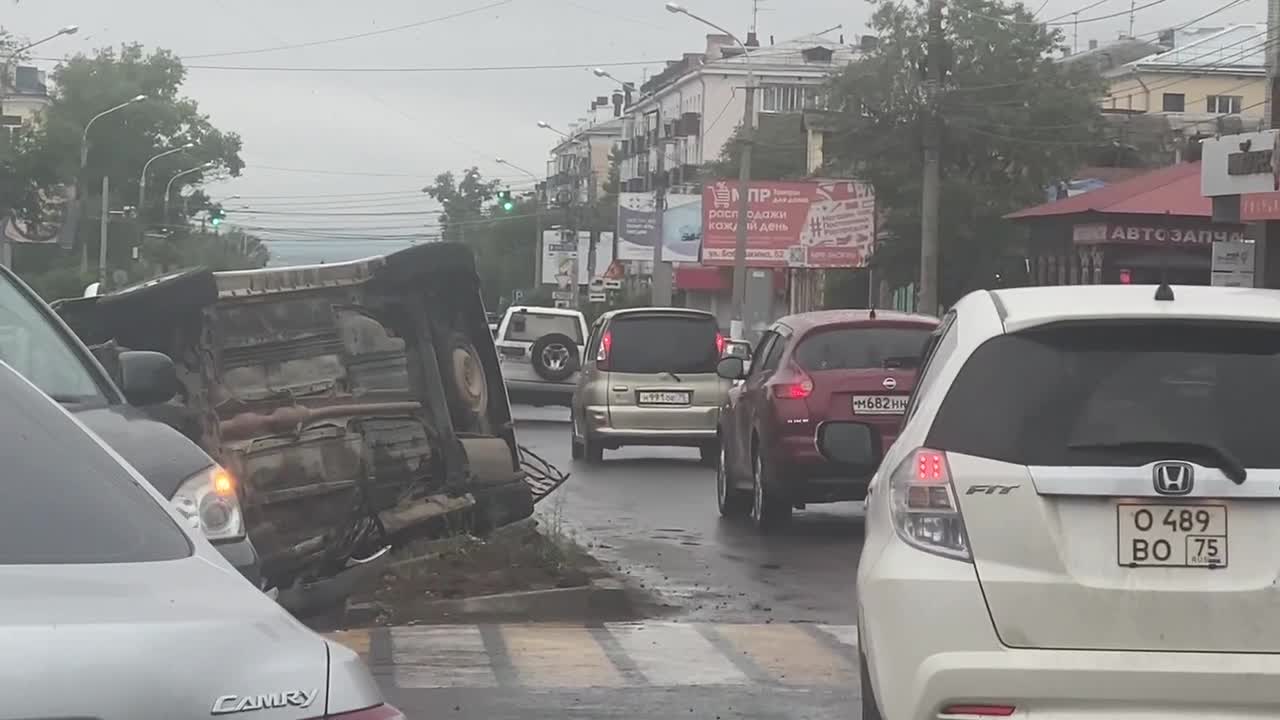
(23,94)
(684,115)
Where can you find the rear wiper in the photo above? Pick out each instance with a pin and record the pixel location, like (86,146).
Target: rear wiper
(1228,463)
(677,377)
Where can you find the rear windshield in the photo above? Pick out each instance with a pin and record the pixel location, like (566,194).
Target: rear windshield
(663,344)
(862,348)
(528,327)
(1055,396)
(66,500)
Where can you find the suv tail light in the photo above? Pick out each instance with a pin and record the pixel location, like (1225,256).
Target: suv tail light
(719,344)
(377,712)
(794,385)
(606,345)
(925,512)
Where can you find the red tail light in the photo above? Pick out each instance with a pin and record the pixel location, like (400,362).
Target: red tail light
(798,387)
(377,712)
(606,345)
(719,344)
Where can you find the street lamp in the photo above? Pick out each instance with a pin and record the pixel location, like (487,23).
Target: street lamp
(142,182)
(65,30)
(513,166)
(547,126)
(602,73)
(169,188)
(84,137)
(736,329)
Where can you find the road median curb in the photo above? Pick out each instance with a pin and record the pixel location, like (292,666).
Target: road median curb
(601,599)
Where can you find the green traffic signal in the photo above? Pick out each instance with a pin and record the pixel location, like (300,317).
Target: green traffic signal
(216,221)
(505,202)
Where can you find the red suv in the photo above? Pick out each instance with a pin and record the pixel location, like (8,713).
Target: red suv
(810,368)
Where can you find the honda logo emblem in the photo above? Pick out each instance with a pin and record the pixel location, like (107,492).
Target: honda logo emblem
(1173,478)
(889,383)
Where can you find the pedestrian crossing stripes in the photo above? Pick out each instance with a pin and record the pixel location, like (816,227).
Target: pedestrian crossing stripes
(633,654)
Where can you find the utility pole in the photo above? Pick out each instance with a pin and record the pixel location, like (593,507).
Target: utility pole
(103,224)
(591,208)
(737,325)
(932,180)
(660,288)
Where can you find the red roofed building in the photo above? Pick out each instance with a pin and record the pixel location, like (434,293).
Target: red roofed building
(1144,229)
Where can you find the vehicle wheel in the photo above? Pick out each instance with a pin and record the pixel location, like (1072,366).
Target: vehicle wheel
(466,384)
(870,710)
(592,450)
(554,357)
(169,294)
(768,511)
(732,501)
(709,454)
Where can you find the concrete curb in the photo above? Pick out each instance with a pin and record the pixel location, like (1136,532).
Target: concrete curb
(604,598)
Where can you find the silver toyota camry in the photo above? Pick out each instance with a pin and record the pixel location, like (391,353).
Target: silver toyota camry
(110,609)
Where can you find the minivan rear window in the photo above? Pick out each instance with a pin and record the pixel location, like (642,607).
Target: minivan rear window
(663,344)
(1116,394)
(530,326)
(862,348)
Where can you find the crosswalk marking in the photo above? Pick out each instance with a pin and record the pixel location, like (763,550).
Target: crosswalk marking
(668,653)
(441,656)
(558,656)
(632,654)
(788,653)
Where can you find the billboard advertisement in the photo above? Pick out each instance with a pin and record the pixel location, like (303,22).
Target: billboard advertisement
(558,255)
(807,224)
(681,227)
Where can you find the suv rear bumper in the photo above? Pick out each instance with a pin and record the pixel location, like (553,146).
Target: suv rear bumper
(691,426)
(808,477)
(929,642)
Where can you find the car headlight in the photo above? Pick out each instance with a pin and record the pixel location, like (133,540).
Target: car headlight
(208,502)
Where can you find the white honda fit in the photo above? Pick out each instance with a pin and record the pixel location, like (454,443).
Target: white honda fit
(1081,515)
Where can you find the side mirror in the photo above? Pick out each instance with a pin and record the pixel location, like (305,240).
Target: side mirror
(849,443)
(730,368)
(147,378)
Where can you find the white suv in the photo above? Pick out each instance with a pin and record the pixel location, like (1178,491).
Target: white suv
(1080,516)
(541,352)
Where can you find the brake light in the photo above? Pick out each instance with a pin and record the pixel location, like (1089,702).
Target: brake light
(979,710)
(606,345)
(925,513)
(719,344)
(797,389)
(377,712)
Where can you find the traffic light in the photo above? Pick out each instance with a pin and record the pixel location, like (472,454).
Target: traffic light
(505,202)
(216,216)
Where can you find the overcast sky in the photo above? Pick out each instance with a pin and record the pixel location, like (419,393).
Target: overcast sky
(314,133)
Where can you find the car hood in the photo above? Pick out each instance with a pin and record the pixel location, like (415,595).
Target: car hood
(163,640)
(164,456)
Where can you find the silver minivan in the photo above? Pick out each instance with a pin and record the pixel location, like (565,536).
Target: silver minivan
(649,378)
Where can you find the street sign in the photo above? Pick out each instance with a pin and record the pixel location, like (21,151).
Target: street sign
(597,297)
(562,295)
(562,304)
(518,295)
(612,284)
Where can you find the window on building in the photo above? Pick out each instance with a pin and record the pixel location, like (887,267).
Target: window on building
(1175,102)
(1223,104)
(791,98)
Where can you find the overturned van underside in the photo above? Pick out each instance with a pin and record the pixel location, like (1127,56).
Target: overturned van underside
(355,402)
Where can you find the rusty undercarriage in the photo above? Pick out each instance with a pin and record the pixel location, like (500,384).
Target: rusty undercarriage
(358,403)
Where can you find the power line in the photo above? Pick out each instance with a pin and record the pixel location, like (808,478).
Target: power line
(309,171)
(1096,18)
(357,36)
(445,69)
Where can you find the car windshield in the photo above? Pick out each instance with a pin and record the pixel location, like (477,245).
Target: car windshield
(66,499)
(663,344)
(1117,394)
(529,326)
(862,348)
(33,346)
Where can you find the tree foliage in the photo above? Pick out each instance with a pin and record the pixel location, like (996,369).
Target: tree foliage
(1015,121)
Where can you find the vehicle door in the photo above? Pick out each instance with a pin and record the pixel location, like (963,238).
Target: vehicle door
(755,391)
(735,423)
(662,371)
(591,379)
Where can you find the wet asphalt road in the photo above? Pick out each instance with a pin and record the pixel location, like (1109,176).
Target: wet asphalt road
(757,628)
(651,512)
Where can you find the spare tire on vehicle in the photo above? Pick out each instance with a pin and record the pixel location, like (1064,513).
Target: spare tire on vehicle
(466,384)
(554,357)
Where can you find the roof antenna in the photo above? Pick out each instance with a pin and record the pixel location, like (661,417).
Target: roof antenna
(1164,293)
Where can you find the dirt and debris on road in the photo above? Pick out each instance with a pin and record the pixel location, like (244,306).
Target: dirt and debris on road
(423,576)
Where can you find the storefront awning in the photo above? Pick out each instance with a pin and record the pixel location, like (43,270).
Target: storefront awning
(1173,190)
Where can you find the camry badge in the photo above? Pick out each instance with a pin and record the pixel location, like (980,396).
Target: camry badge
(889,383)
(231,704)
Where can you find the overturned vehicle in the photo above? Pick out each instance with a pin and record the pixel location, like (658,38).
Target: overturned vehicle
(358,403)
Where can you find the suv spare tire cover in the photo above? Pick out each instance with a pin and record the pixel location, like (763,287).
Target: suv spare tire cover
(554,357)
